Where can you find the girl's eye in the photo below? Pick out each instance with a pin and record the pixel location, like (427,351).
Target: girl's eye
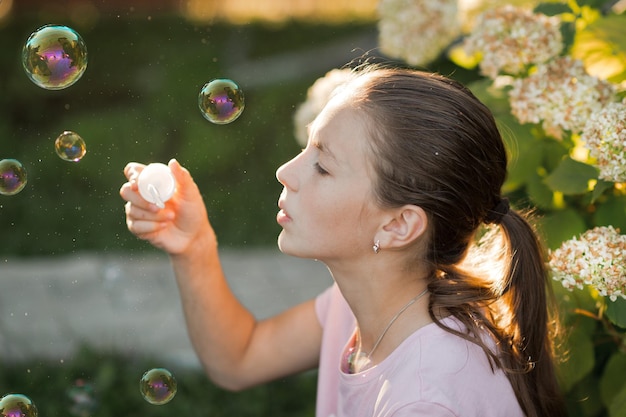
(319,169)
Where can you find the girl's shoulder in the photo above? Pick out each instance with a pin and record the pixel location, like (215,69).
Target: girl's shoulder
(448,369)
(433,348)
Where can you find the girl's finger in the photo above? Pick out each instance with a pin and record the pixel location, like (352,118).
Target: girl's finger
(143,228)
(147,211)
(129,192)
(132,170)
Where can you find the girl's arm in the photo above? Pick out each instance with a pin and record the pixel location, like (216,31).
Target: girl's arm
(236,350)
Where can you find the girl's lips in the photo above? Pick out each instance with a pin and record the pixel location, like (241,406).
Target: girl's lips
(282,217)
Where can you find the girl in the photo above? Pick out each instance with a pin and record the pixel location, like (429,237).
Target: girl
(401,173)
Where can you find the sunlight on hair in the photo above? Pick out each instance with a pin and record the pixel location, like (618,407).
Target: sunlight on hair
(486,258)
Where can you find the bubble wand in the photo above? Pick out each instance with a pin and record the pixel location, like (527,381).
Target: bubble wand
(156,184)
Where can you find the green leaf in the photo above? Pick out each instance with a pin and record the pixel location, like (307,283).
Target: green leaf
(611,28)
(571,302)
(599,189)
(617,79)
(562,225)
(602,47)
(571,177)
(523,167)
(586,398)
(612,213)
(618,406)
(457,54)
(596,4)
(580,361)
(616,312)
(612,381)
(554,151)
(538,191)
(568,32)
(552,9)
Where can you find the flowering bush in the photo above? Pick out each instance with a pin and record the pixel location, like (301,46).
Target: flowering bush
(554,76)
(597,258)
(510,39)
(560,95)
(416,30)
(605,136)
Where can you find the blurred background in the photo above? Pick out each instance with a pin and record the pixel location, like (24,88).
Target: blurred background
(137,101)
(86,308)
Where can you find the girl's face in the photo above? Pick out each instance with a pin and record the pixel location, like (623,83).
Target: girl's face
(327,209)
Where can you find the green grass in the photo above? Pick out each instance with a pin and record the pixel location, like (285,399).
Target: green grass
(114,390)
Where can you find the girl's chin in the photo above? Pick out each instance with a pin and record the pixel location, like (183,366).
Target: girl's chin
(288,249)
(282,245)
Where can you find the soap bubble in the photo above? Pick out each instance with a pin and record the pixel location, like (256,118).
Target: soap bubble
(221,101)
(158,386)
(54,57)
(70,146)
(17,405)
(12,176)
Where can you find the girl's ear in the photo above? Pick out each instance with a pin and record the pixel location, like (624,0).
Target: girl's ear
(406,225)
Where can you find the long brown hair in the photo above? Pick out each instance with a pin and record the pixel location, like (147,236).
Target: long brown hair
(435,145)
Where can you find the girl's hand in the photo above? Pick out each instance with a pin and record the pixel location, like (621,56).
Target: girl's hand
(175,227)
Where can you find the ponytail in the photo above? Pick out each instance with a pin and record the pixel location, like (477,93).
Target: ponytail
(515,307)
(528,297)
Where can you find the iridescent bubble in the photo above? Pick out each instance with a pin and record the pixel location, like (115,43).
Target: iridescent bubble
(54,57)
(17,405)
(221,101)
(158,386)
(12,176)
(70,146)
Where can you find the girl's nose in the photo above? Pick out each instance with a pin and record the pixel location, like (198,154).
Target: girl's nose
(286,174)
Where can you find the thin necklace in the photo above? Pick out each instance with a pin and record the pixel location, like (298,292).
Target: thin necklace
(394,318)
(362,358)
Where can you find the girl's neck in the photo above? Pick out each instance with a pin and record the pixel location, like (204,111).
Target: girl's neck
(378,299)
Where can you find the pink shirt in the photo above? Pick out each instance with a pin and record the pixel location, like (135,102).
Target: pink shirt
(432,373)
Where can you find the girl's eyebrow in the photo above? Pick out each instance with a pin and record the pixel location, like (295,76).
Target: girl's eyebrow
(319,145)
(323,148)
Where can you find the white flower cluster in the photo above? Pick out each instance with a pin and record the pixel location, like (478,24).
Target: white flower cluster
(597,258)
(316,98)
(510,39)
(561,95)
(605,136)
(417,31)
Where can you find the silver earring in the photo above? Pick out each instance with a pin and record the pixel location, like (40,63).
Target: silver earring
(376,246)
